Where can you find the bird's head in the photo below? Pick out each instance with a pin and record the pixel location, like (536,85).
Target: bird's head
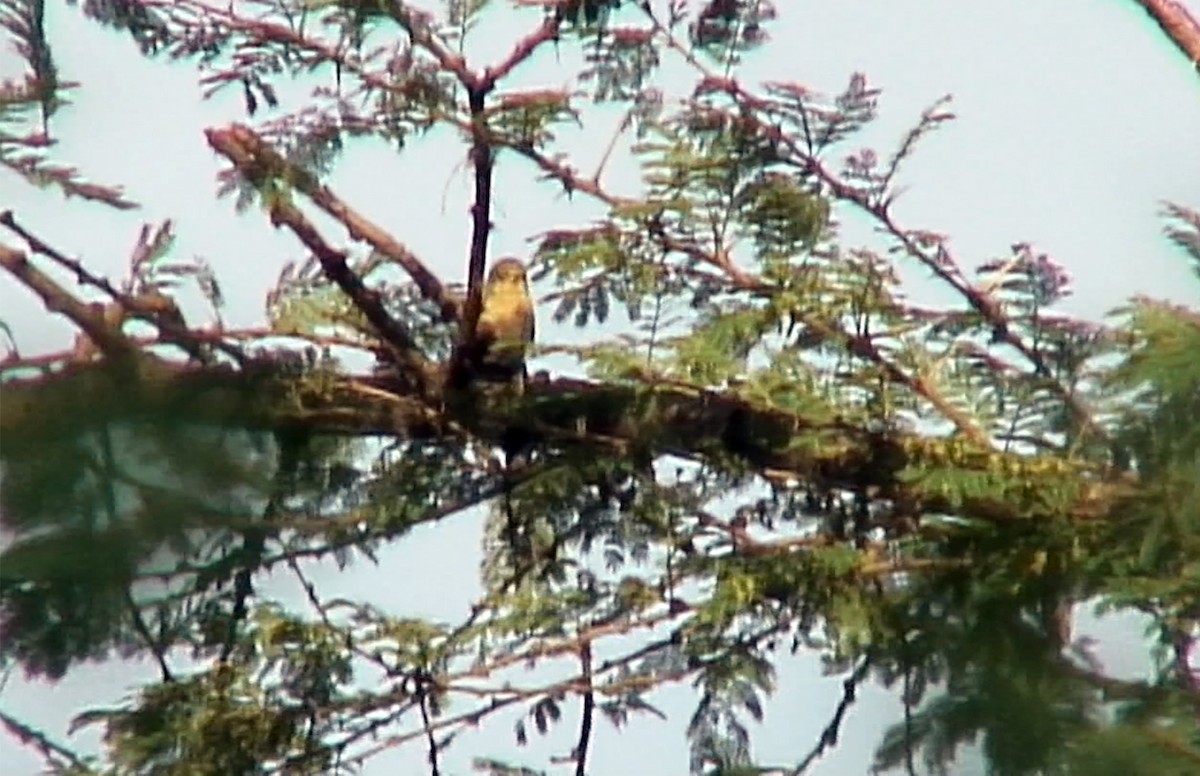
(507,272)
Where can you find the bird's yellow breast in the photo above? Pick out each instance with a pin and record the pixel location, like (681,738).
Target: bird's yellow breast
(507,313)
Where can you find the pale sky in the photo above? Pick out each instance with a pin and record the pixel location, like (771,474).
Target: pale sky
(1075,120)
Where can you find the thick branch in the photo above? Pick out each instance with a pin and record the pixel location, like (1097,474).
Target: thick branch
(58,300)
(570,413)
(368,301)
(483,159)
(1178,23)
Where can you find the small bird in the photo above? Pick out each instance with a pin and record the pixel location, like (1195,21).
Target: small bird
(505,328)
(496,354)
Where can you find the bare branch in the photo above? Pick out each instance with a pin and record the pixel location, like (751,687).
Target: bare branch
(51,751)
(87,317)
(1178,23)
(829,736)
(153,307)
(526,46)
(589,705)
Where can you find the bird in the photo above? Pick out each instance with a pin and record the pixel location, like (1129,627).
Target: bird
(505,328)
(495,353)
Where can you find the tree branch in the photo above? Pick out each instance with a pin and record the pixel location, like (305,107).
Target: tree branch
(861,346)
(829,736)
(171,327)
(545,32)
(152,644)
(570,413)
(589,705)
(58,300)
(419,28)
(50,750)
(937,259)
(483,159)
(258,162)
(1178,23)
(426,722)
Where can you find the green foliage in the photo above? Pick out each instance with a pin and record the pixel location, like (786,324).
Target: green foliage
(525,118)
(214,724)
(780,217)
(1160,558)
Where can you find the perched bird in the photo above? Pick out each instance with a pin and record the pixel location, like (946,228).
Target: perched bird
(506,327)
(496,353)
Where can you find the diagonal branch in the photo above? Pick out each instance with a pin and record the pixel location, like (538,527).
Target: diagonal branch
(366,300)
(545,32)
(829,736)
(1179,25)
(936,259)
(420,30)
(58,300)
(478,86)
(156,308)
(939,261)
(358,226)
(258,162)
(53,752)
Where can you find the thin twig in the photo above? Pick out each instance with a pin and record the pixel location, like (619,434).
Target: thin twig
(426,722)
(545,32)
(589,705)
(829,736)
(108,478)
(171,332)
(250,555)
(154,645)
(38,740)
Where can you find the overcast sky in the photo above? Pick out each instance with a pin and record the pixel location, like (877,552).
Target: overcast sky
(1075,120)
